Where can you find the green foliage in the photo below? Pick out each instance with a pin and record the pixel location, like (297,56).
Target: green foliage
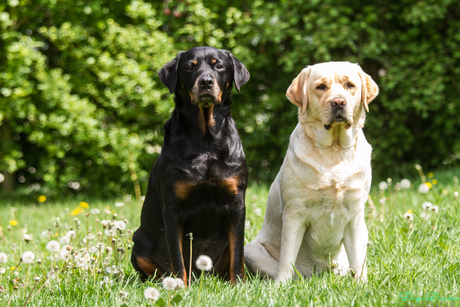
(80,100)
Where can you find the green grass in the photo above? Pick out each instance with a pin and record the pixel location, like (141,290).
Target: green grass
(419,257)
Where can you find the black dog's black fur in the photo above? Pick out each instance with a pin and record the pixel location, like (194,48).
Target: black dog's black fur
(198,183)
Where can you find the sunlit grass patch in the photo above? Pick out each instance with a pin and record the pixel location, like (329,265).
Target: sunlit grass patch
(82,249)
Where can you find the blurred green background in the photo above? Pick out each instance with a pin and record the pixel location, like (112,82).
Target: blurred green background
(82,108)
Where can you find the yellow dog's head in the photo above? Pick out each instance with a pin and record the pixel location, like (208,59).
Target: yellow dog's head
(334,93)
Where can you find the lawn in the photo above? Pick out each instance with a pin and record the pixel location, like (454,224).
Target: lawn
(418,254)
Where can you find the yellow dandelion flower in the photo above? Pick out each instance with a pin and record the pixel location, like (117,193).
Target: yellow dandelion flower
(76,211)
(41,198)
(84,205)
(13,268)
(434,182)
(410,211)
(430,175)
(13,222)
(429,184)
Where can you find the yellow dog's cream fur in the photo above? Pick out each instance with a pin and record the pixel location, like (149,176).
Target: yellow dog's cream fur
(315,207)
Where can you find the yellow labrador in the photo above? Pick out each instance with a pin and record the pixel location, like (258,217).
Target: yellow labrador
(315,209)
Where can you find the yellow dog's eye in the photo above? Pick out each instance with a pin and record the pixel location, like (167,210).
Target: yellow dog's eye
(321,87)
(349,85)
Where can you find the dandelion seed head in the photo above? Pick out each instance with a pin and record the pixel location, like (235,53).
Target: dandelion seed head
(119,204)
(180,284)
(151,294)
(408,216)
(247,224)
(119,225)
(383,185)
(64,240)
(258,211)
(382,200)
(405,184)
(65,255)
(169,283)
(423,188)
(3,258)
(455,194)
(435,209)
(2,270)
(28,257)
(71,234)
(204,263)
(26,237)
(427,205)
(53,246)
(95,211)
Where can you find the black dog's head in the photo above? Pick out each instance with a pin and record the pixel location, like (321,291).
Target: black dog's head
(204,75)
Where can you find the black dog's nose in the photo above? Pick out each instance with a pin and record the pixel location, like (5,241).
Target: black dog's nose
(338,102)
(206,82)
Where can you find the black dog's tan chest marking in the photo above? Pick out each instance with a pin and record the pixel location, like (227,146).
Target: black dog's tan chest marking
(182,189)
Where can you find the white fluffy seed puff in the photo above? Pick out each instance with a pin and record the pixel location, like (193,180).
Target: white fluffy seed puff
(53,246)
(3,258)
(204,263)
(28,257)
(169,283)
(152,294)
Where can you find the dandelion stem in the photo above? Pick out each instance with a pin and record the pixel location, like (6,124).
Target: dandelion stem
(364,262)
(27,274)
(30,293)
(190,265)
(199,292)
(46,281)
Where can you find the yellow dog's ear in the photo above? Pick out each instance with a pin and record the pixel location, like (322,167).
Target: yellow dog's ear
(369,89)
(297,91)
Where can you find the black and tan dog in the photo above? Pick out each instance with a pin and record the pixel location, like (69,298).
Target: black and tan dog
(198,183)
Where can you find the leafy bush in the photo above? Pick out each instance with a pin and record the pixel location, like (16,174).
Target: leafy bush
(81,106)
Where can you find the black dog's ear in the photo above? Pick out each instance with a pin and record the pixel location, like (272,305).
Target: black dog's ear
(240,73)
(168,73)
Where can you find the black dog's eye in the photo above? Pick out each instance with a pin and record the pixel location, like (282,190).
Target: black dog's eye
(189,67)
(349,85)
(219,66)
(321,87)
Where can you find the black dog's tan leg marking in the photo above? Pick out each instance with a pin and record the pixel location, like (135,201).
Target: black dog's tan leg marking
(182,273)
(174,237)
(236,254)
(149,267)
